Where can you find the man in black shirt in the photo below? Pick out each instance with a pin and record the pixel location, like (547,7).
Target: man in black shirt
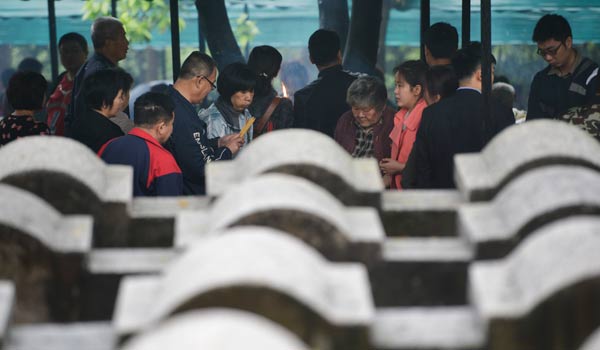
(320,104)
(569,80)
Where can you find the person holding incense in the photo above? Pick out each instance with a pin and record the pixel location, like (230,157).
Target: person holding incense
(189,143)
(229,113)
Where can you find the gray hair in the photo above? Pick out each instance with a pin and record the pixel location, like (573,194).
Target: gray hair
(104,28)
(197,63)
(367,92)
(504,94)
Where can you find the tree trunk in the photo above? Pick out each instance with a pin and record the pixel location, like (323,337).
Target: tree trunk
(333,15)
(385,19)
(215,26)
(363,38)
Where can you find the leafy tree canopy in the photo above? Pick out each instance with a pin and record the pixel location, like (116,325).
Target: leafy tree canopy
(139,17)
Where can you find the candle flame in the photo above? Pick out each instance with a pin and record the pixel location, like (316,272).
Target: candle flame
(284,90)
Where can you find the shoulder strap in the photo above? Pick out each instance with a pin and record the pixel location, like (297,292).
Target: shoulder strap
(260,124)
(583,66)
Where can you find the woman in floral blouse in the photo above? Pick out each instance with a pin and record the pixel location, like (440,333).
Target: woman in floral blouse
(26,93)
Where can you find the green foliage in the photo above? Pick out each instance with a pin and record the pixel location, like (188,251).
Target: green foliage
(245,30)
(139,17)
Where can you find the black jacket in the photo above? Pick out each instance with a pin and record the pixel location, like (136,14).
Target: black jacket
(77,106)
(94,130)
(321,103)
(550,96)
(452,126)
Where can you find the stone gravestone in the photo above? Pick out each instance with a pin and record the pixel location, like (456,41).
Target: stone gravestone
(152,219)
(327,305)
(293,205)
(526,203)
(424,261)
(593,341)
(62,336)
(408,328)
(221,329)
(421,271)
(7,299)
(42,252)
(104,269)
(420,213)
(303,153)
(546,293)
(516,150)
(72,179)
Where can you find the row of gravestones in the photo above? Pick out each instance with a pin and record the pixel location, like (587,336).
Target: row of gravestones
(507,261)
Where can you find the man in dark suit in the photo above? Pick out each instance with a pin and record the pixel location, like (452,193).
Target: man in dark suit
(320,104)
(456,124)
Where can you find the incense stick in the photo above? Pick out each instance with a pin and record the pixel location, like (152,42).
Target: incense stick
(247,126)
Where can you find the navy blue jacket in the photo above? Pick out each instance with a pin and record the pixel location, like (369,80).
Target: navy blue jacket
(320,104)
(155,172)
(190,145)
(77,105)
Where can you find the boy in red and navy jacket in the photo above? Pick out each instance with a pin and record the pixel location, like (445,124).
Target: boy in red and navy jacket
(155,171)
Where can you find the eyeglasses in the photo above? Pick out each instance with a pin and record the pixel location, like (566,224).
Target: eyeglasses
(550,51)
(212,84)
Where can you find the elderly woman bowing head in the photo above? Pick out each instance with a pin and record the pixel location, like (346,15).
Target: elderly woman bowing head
(363,131)
(229,113)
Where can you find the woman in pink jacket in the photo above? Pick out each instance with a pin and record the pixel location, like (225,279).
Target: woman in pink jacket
(409,91)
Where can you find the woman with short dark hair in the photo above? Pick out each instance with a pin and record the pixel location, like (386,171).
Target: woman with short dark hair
(229,113)
(26,93)
(105,93)
(272,112)
(363,130)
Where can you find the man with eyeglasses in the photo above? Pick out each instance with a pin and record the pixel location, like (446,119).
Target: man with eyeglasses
(189,142)
(569,80)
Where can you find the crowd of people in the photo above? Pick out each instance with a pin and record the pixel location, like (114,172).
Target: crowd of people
(169,142)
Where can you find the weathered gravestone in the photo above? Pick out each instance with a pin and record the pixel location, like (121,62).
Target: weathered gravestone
(424,262)
(519,149)
(7,299)
(409,328)
(303,153)
(420,213)
(62,336)
(293,205)
(546,293)
(72,179)
(152,219)
(327,305)
(104,269)
(526,203)
(428,271)
(216,329)
(42,252)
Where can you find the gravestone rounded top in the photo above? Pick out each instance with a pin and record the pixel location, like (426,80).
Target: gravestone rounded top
(512,287)
(248,257)
(31,215)
(253,256)
(295,146)
(534,197)
(522,147)
(276,192)
(216,329)
(65,156)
